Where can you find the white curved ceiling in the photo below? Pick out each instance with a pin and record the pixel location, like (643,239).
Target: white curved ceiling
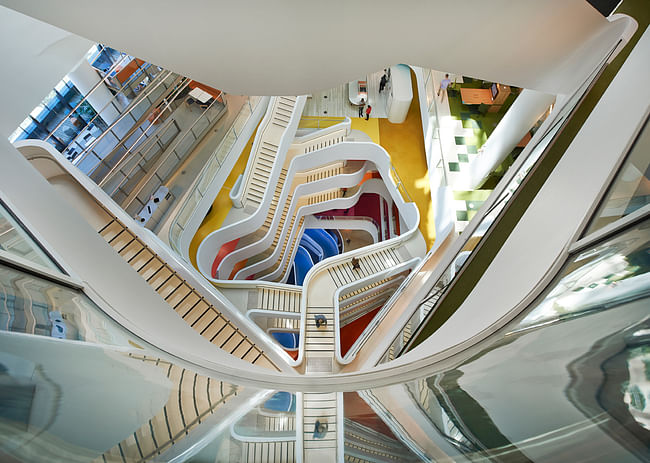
(295,47)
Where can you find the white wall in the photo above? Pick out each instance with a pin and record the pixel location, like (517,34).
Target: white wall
(400,93)
(276,48)
(35,56)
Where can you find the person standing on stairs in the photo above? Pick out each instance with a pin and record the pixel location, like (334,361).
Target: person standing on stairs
(362,105)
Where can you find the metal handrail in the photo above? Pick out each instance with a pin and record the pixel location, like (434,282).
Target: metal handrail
(399,183)
(146,146)
(165,107)
(110,102)
(83,100)
(171,150)
(134,103)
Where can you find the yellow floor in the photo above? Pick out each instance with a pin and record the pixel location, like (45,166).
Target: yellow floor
(222,203)
(405,145)
(370,127)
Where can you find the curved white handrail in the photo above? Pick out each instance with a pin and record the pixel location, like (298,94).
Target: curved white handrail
(352,352)
(351,151)
(370,186)
(305,189)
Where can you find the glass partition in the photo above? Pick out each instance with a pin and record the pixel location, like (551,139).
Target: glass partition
(630,190)
(209,172)
(481,227)
(16,241)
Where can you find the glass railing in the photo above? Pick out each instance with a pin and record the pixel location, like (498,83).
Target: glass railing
(482,225)
(566,380)
(434,129)
(15,241)
(631,188)
(197,192)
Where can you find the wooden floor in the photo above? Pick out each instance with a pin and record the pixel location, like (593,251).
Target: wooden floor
(334,102)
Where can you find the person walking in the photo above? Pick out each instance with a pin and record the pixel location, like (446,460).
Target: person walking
(368,110)
(362,105)
(382,83)
(443,85)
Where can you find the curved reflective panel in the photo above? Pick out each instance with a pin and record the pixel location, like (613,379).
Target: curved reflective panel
(15,240)
(567,380)
(630,190)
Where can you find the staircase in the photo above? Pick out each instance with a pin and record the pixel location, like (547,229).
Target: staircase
(179,294)
(259,171)
(322,407)
(193,398)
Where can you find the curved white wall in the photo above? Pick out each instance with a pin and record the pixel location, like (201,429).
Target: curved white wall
(35,56)
(272,48)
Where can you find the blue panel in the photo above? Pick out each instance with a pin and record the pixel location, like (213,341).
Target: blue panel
(314,249)
(281,402)
(287,339)
(325,240)
(302,263)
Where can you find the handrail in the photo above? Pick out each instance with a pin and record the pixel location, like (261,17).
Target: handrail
(150,173)
(83,100)
(175,93)
(144,148)
(150,89)
(400,185)
(139,99)
(112,100)
(354,349)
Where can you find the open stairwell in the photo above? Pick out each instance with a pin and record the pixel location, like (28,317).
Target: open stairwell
(283,224)
(267,171)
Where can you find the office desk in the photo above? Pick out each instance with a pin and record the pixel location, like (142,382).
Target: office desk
(476,95)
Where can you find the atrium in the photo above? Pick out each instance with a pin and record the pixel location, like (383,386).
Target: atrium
(219,245)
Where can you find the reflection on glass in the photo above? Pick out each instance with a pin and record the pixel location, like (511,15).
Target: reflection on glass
(372,433)
(33,305)
(14,240)
(83,403)
(630,189)
(614,271)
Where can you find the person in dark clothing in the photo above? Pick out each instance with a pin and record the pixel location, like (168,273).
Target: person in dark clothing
(362,106)
(356,265)
(382,83)
(368,110)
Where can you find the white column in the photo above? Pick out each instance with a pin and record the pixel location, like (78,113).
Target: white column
(522,115)
(84,77)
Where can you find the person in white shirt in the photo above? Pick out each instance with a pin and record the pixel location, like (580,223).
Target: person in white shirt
(443,85)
